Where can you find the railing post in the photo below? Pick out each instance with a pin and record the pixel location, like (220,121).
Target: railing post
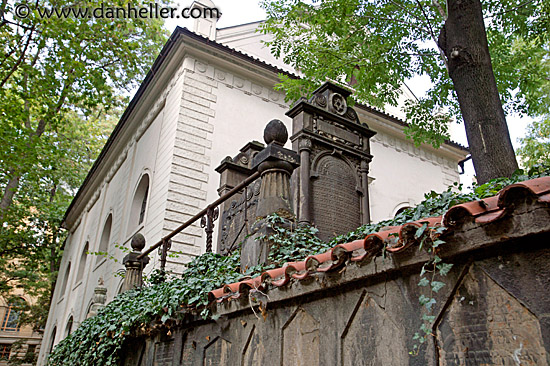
(134,265)
(163,252)
(207,222)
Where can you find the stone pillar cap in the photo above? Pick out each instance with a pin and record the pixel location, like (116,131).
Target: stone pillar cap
(138,242)
(275,132)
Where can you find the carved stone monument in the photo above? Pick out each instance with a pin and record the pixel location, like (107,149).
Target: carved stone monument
(332,182)
(239,213)
(276,164)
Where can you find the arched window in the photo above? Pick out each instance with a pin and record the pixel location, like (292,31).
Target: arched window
(52,340)
(65,280)
(139,204)
(69,327)
(401,210)
(105,237)
(82,264)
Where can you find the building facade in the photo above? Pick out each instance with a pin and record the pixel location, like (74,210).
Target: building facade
(208,94)
(17,341)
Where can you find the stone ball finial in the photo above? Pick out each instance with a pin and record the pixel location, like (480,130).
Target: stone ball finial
(275,132)
(138,242)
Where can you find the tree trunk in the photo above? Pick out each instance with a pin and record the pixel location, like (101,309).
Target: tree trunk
(9,192)
(463,39)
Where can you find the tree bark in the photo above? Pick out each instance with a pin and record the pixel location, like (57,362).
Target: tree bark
(9,192)
(463,39)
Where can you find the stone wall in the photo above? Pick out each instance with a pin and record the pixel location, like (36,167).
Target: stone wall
(490,313)
(493,309)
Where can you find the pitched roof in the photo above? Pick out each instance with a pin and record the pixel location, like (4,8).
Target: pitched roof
(396,239)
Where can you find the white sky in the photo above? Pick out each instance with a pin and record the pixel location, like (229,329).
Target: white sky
(235,12)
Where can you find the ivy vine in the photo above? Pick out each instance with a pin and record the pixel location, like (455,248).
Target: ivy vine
(98,340)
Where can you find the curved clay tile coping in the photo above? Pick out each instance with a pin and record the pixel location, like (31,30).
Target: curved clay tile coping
(397,239)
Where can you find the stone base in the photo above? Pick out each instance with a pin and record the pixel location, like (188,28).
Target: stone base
(255,251)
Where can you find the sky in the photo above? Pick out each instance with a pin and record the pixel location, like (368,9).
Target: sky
(235,12)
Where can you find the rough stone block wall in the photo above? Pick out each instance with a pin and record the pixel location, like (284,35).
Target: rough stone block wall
(493,311)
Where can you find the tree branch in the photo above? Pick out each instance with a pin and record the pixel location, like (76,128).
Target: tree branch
(509,10)
(440,9)
(21,57)
(443,57)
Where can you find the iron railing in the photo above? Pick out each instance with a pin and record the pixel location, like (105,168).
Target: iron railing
(207,215)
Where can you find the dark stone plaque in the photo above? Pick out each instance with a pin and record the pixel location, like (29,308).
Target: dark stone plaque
(233,228)
(336,202)
(217,352)
(164,353)
(486,325)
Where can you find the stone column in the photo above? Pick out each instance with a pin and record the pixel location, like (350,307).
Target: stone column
(275,163)
(365,217)
(134,266)
(304,205)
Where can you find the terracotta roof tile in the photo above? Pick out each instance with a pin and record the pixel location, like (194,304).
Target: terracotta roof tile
(396,238)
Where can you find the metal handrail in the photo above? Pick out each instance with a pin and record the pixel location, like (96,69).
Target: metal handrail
(209,209)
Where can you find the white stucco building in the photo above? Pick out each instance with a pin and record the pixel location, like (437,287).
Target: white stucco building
(206,96)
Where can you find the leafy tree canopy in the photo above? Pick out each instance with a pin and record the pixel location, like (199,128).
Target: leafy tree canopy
(379,45)
(61,81)
(535,146)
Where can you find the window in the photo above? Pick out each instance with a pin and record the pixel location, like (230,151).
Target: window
(69,327)
(82,264)
(402,209)
(139,204)
(5,350)
(65,280)
(143,205)
(52,340)
(105,237)
(10,323)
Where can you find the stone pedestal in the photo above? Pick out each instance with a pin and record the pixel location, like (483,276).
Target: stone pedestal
(134,266)
(276,164)
(98,300)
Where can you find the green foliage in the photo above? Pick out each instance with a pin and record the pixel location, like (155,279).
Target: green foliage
(292,241)
(383,44)
(428,280)
(535,146)
(60,86)
(98,340)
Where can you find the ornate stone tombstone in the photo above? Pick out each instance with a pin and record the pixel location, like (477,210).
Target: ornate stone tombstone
(239,213)
(332,182)
(275,164)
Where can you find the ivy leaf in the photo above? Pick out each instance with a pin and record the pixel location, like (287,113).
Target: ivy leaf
(428,318)
(423,282)
(444,268)
(430,303)
(423,300)
(437,285)
(420,231)
(437,243)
